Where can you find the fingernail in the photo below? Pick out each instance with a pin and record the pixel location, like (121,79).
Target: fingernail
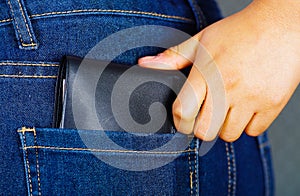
(147,58)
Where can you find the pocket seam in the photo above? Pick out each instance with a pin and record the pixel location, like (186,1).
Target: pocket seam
(37,166)
(27,164)
(106,150)
(38,64)
(24,130)
(26,76)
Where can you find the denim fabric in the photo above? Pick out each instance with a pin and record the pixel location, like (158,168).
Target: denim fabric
(59,158)
(45,161)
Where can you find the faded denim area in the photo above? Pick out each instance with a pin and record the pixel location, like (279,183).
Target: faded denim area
(46,161)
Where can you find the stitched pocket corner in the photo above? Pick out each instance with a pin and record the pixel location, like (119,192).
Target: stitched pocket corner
(30,157)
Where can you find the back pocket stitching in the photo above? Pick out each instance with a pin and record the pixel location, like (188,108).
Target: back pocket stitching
(106,150)
(26,76)
(38,64)
(24,130)
(27,164)
(191,172)
(37,165)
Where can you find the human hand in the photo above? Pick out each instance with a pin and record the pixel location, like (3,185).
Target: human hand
(258,55)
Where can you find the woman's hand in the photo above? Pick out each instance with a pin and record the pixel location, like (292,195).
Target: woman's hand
(257,52)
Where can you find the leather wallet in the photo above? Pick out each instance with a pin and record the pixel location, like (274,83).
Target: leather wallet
(118,88)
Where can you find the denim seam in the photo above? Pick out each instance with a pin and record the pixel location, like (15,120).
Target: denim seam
(265,144)
(26,24)
(113,11)
(106,150)
(231,163)
(233,168)
(37,165)
(26,76)
(6,20)
(191,172)
(17,26)
(27,164)
(28,64)
(195,172)
(107,11)
(267,175)
(264,147)
(196,165)
(266,172)
(193,168)
(228,168)
(31,44)
(24,130)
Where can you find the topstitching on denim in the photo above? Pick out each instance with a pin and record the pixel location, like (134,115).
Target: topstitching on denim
(191,174)
(104,11)
(31,149)
(22,24)
(231,163)
(24,130)
(16,63)
(193,167)
(28,64)
(5,20)
(26,76)
(28,166)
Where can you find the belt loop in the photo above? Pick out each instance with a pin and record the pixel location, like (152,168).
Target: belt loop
(22,25)
(199,16)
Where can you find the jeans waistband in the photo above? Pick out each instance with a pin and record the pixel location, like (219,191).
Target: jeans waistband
(22,14)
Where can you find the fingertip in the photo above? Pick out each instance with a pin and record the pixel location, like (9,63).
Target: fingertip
(146,61)
(252,133)
(159,61)
(199,134)
(227,137)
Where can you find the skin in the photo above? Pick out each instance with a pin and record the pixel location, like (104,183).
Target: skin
(257,52)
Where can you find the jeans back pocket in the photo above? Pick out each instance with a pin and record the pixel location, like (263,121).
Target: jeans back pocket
(58,162)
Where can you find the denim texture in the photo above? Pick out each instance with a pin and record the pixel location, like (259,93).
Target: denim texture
(59,158)
(46,161)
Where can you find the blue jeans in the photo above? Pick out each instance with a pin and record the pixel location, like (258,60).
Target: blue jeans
(41,160)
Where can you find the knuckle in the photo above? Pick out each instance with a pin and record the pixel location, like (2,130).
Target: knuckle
(231,80)
(275,100)
(179,112)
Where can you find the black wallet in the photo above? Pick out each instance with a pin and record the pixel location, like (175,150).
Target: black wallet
(136,89)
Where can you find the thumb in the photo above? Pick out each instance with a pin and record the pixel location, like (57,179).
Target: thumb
(174,58)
